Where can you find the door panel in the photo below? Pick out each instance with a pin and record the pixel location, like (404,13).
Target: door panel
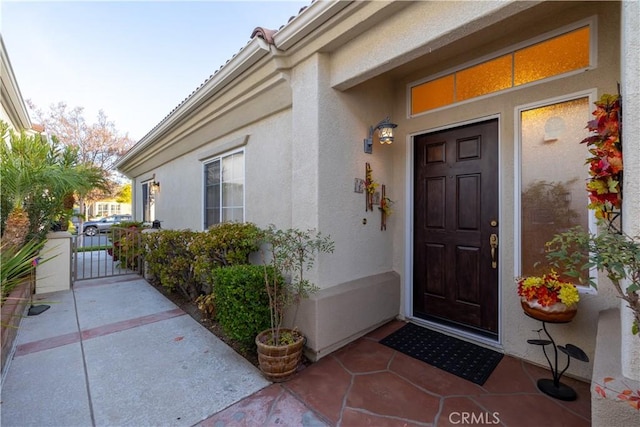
(456,198)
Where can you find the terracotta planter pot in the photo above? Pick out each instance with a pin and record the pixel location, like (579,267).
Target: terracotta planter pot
(279,362)
(557,313)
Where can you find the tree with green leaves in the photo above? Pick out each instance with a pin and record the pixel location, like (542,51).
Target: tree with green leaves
(616,254)
(124,194)
(98,144)
(36,174)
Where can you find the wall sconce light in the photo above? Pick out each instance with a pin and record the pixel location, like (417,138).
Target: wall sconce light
(154,187)
(385,134)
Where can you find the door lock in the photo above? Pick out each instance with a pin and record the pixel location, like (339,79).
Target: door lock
(493,242)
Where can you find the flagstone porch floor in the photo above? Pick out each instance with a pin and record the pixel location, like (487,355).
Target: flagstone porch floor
(115,352)
(369,384)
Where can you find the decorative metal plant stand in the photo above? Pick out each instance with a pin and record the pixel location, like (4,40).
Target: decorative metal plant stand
(553,387)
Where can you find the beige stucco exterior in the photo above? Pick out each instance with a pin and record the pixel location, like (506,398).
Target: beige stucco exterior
(301,107)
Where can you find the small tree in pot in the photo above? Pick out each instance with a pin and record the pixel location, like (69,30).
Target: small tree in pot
(291,253)
(616,254)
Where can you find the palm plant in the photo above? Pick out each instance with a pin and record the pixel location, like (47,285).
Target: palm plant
(36,175)
(16,264)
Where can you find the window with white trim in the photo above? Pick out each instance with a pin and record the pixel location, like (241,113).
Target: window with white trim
(553,197)
(224,189)
(146,202)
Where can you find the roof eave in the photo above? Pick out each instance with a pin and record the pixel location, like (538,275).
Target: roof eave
(305,23)
(17,107)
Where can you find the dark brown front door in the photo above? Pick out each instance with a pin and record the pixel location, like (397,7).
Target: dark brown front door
(455,274)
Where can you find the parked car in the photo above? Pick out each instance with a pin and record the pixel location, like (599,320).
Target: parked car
(91,228)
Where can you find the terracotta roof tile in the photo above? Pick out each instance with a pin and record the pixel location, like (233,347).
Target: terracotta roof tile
(265,34)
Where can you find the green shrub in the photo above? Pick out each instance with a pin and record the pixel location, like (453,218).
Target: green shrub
(170,260)
(225,244)
(127,247)
(241,301)
(130,224)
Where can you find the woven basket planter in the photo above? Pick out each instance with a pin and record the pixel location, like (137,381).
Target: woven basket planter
(557,313)
(279,362)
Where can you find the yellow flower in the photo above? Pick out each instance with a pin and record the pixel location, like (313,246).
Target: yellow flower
(532,282)
(548,289)
(569,295)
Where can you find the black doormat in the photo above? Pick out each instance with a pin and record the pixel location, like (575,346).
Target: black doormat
(461,358)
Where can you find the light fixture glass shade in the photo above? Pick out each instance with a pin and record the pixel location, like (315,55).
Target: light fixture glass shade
(386,135)
(385,131)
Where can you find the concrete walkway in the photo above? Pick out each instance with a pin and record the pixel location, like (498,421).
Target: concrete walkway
(115,351)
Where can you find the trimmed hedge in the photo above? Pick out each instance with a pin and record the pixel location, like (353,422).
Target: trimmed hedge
(241,301)
(183,260)
(225,244)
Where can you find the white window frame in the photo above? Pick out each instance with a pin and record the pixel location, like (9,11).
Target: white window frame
(204,184)
(517,216)
(146,195)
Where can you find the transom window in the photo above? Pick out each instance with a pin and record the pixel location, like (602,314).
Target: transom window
(564,53)
(224,189)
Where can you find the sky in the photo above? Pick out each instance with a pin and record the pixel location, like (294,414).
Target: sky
(135,60)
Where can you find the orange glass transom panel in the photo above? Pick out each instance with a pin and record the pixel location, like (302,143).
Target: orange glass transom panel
(488,77)
(559,55)
(431,95)
(562,54)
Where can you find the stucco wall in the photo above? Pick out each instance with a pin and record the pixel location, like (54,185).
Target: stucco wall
(516,328)
(631,153)
(179,205)
(362,249)
(301,162)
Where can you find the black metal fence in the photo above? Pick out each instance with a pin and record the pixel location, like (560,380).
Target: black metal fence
(118,251)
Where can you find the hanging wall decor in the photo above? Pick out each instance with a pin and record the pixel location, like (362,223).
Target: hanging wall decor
(370,188)
(385,208)
(605,158)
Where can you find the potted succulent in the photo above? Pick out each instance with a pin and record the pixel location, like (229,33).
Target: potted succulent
(290,253)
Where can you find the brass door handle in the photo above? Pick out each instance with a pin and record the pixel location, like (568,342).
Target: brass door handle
(493,242)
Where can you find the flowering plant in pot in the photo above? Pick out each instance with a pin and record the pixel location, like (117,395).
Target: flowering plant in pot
(290,253)
(548,297)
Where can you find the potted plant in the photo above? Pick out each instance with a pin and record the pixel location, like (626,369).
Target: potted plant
(548,297)
(290,253)
(615,253)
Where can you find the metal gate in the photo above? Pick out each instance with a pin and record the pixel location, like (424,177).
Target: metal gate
(117,251)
